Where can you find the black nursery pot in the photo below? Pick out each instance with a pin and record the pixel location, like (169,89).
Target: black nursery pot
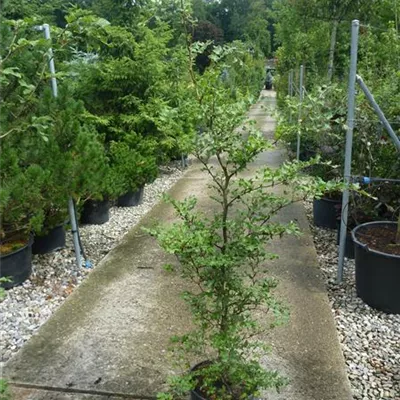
(16,265)
(53,241)
(325,212)
(349,251)
(131,199)
(377,274)
(95,212)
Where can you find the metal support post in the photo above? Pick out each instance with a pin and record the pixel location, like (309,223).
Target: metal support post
(74,229)
(54,87)
(300,106)
(71,206)
(290,92)
(291,82)
(355,26)
(379,112)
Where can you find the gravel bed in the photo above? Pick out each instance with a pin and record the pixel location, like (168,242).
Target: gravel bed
(370,339)
(55,275)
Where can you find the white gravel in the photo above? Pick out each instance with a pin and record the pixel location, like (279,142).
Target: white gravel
(55,276)
(370,339)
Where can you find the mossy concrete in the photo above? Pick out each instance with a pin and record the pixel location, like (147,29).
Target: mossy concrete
(112,334)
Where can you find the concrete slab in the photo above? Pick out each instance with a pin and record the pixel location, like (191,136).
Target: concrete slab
(110,338)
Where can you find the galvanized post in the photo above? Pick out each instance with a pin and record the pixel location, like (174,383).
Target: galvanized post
(291,75)
(300,105)
(71,205)
(290,92)
(349,144)
(54,87)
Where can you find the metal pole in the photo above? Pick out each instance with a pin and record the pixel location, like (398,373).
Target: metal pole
(71,205)
(54,87)
(291,82)
(300,105)
(290,92)
(349,144)
(379,112)
(72,215)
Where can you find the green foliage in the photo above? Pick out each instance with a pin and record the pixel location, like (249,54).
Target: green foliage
(135,93)
(223,253)
(4,389)
(321,128)
(243,20)
(3,294)
(23,64)
(132,165)
(73,156)
(300,30)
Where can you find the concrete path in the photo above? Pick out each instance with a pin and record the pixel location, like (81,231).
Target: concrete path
(109,339)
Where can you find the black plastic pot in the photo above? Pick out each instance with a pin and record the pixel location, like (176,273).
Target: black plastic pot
(53,241)
(16,265)
(131,199)
(95,212)
(377,274)
(349,251)
(268,85)
(307,155)
(325,212)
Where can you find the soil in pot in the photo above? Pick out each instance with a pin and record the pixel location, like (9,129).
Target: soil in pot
(54,240)
(380,237)
(96,212)
(326,211)
(16,261)
(378,265)
(131,199)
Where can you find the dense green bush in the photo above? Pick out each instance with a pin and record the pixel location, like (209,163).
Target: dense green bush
(72,153)
(23,64)
(127,91)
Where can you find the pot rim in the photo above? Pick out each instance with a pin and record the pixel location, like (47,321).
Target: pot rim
(365,246)
(28,244)
(327,199)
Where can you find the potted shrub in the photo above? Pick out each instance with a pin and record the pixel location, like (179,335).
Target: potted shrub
(223,252)
(21,209)
(133,165)
(22,57)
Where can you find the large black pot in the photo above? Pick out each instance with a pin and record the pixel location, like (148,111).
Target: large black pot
(377,274)
(131,199)
(325,212)
(349,250)
(95,212)
(16,265)
(52,241)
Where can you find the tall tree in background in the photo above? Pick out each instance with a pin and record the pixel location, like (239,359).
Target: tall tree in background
(248,20)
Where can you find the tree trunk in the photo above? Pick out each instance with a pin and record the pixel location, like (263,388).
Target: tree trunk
(332,49)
